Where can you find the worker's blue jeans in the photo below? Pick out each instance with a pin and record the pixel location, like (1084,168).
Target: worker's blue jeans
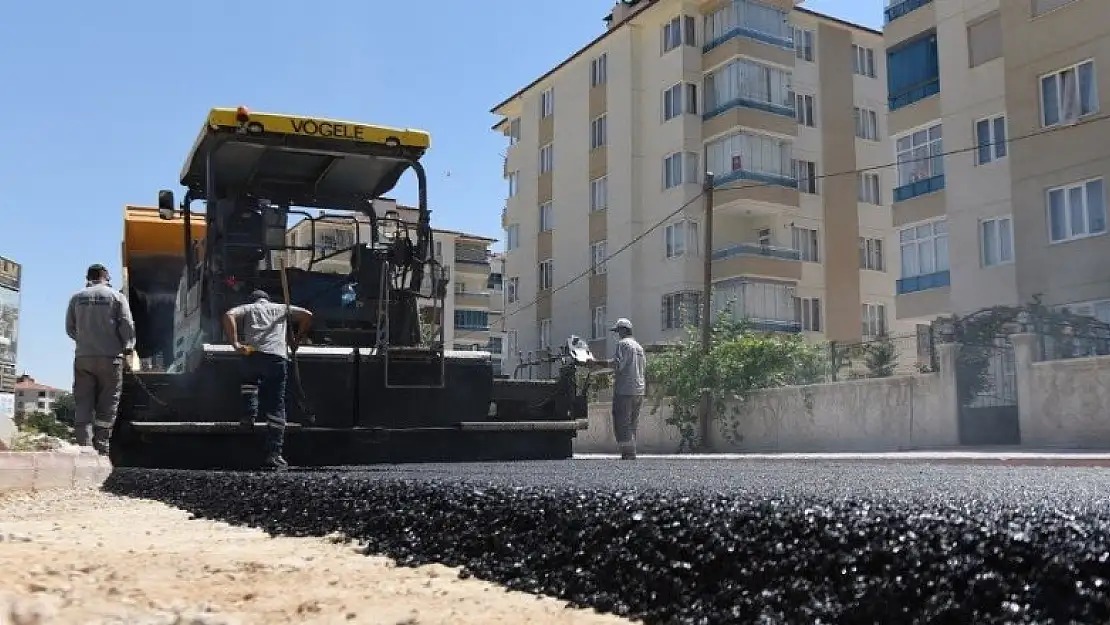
(269,373)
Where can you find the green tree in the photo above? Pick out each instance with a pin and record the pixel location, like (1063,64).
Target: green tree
(65,409)
(741,360)
(45,423)
(880,357)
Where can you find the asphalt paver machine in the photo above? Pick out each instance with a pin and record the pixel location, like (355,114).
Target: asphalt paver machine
(367,386)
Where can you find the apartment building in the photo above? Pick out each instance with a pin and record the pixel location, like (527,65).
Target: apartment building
(474,300)
(766,95)
(1000,194)
(32,396)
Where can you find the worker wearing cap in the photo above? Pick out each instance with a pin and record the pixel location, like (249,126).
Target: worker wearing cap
(99,321)
(267,353)
(628,364)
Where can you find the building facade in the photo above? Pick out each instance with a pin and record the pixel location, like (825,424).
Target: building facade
(474,299)
(772,99)
(10,285)
(995,119)
(31,396)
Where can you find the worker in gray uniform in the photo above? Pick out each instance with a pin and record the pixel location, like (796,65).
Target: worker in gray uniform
(99,321)
(628,365)
(266,350)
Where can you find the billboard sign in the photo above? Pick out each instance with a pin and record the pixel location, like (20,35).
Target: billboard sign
(9,274)
(9,311)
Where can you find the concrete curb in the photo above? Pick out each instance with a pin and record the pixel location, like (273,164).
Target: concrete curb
(51,470)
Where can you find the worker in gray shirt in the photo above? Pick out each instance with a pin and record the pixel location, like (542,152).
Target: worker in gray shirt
(266,349)
(628,364)
(99,321)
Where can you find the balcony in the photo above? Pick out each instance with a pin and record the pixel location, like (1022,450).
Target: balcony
(925,89)
(748,102)
(899,8)
(472,299)
(919,188)
(916,284)
(753,259)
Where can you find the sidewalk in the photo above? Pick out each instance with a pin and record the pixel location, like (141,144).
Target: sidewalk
(967,457)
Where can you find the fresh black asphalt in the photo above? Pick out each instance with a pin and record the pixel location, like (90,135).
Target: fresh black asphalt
(711,541)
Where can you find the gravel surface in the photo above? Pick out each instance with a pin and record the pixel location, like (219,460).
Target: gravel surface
(713,541)
(90,558)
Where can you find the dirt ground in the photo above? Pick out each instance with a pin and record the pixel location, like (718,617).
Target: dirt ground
(84,557)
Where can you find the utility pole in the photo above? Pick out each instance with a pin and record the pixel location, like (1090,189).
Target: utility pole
(707,307)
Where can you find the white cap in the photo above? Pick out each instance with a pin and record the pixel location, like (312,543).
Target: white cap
(621,323)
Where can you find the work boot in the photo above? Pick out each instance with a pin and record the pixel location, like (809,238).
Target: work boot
(275,462)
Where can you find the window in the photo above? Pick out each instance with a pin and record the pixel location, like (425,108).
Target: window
(755,20)
(512,341)
(439,250)
(984,40)
(680,30)
(1040,7)
(874,320)
(746,82)
(763,237)
(750,153)
(600,326)
(597,258)
(680,168)
(924,249)
(996,241)
(807,312)
(512,289)
(867,124)
(599,72)
(1069,94)
(512,237)
(990,139)
(546,275)
(745,298)
(804,110)
(599,193)
(680,310)
(598,132)
(920,155)
(545,333)
(514,131)
(1076,211)
(863,61)
(803,44)
(681,238)
(471,319)
(871,254)
(680,99)
(547,102)
(513,178)
(547,217)
(913,72)
(547,159)
(805,241)
(869,189)
(806,174)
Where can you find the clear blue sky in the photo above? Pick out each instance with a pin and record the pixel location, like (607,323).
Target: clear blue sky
(102,102)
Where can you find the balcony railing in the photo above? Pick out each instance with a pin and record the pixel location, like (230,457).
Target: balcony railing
(918,188)
(925,282)
(741,174)
(755,249)
(747,102)
(916,93)
(900,8)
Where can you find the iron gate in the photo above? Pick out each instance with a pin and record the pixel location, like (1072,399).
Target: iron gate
(986,388)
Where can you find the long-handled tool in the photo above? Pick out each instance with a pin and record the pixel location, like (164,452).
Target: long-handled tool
(290,335)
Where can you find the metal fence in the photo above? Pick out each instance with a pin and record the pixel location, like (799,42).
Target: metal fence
(882,357)
(1061,340)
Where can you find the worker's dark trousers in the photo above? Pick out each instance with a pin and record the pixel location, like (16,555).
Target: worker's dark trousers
(626,419)
(269,373)
(97,384)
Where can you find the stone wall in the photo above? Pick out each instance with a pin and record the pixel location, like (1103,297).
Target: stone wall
(1062,403)
(888,414)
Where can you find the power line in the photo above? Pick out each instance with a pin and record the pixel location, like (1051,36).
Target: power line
(752,185)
